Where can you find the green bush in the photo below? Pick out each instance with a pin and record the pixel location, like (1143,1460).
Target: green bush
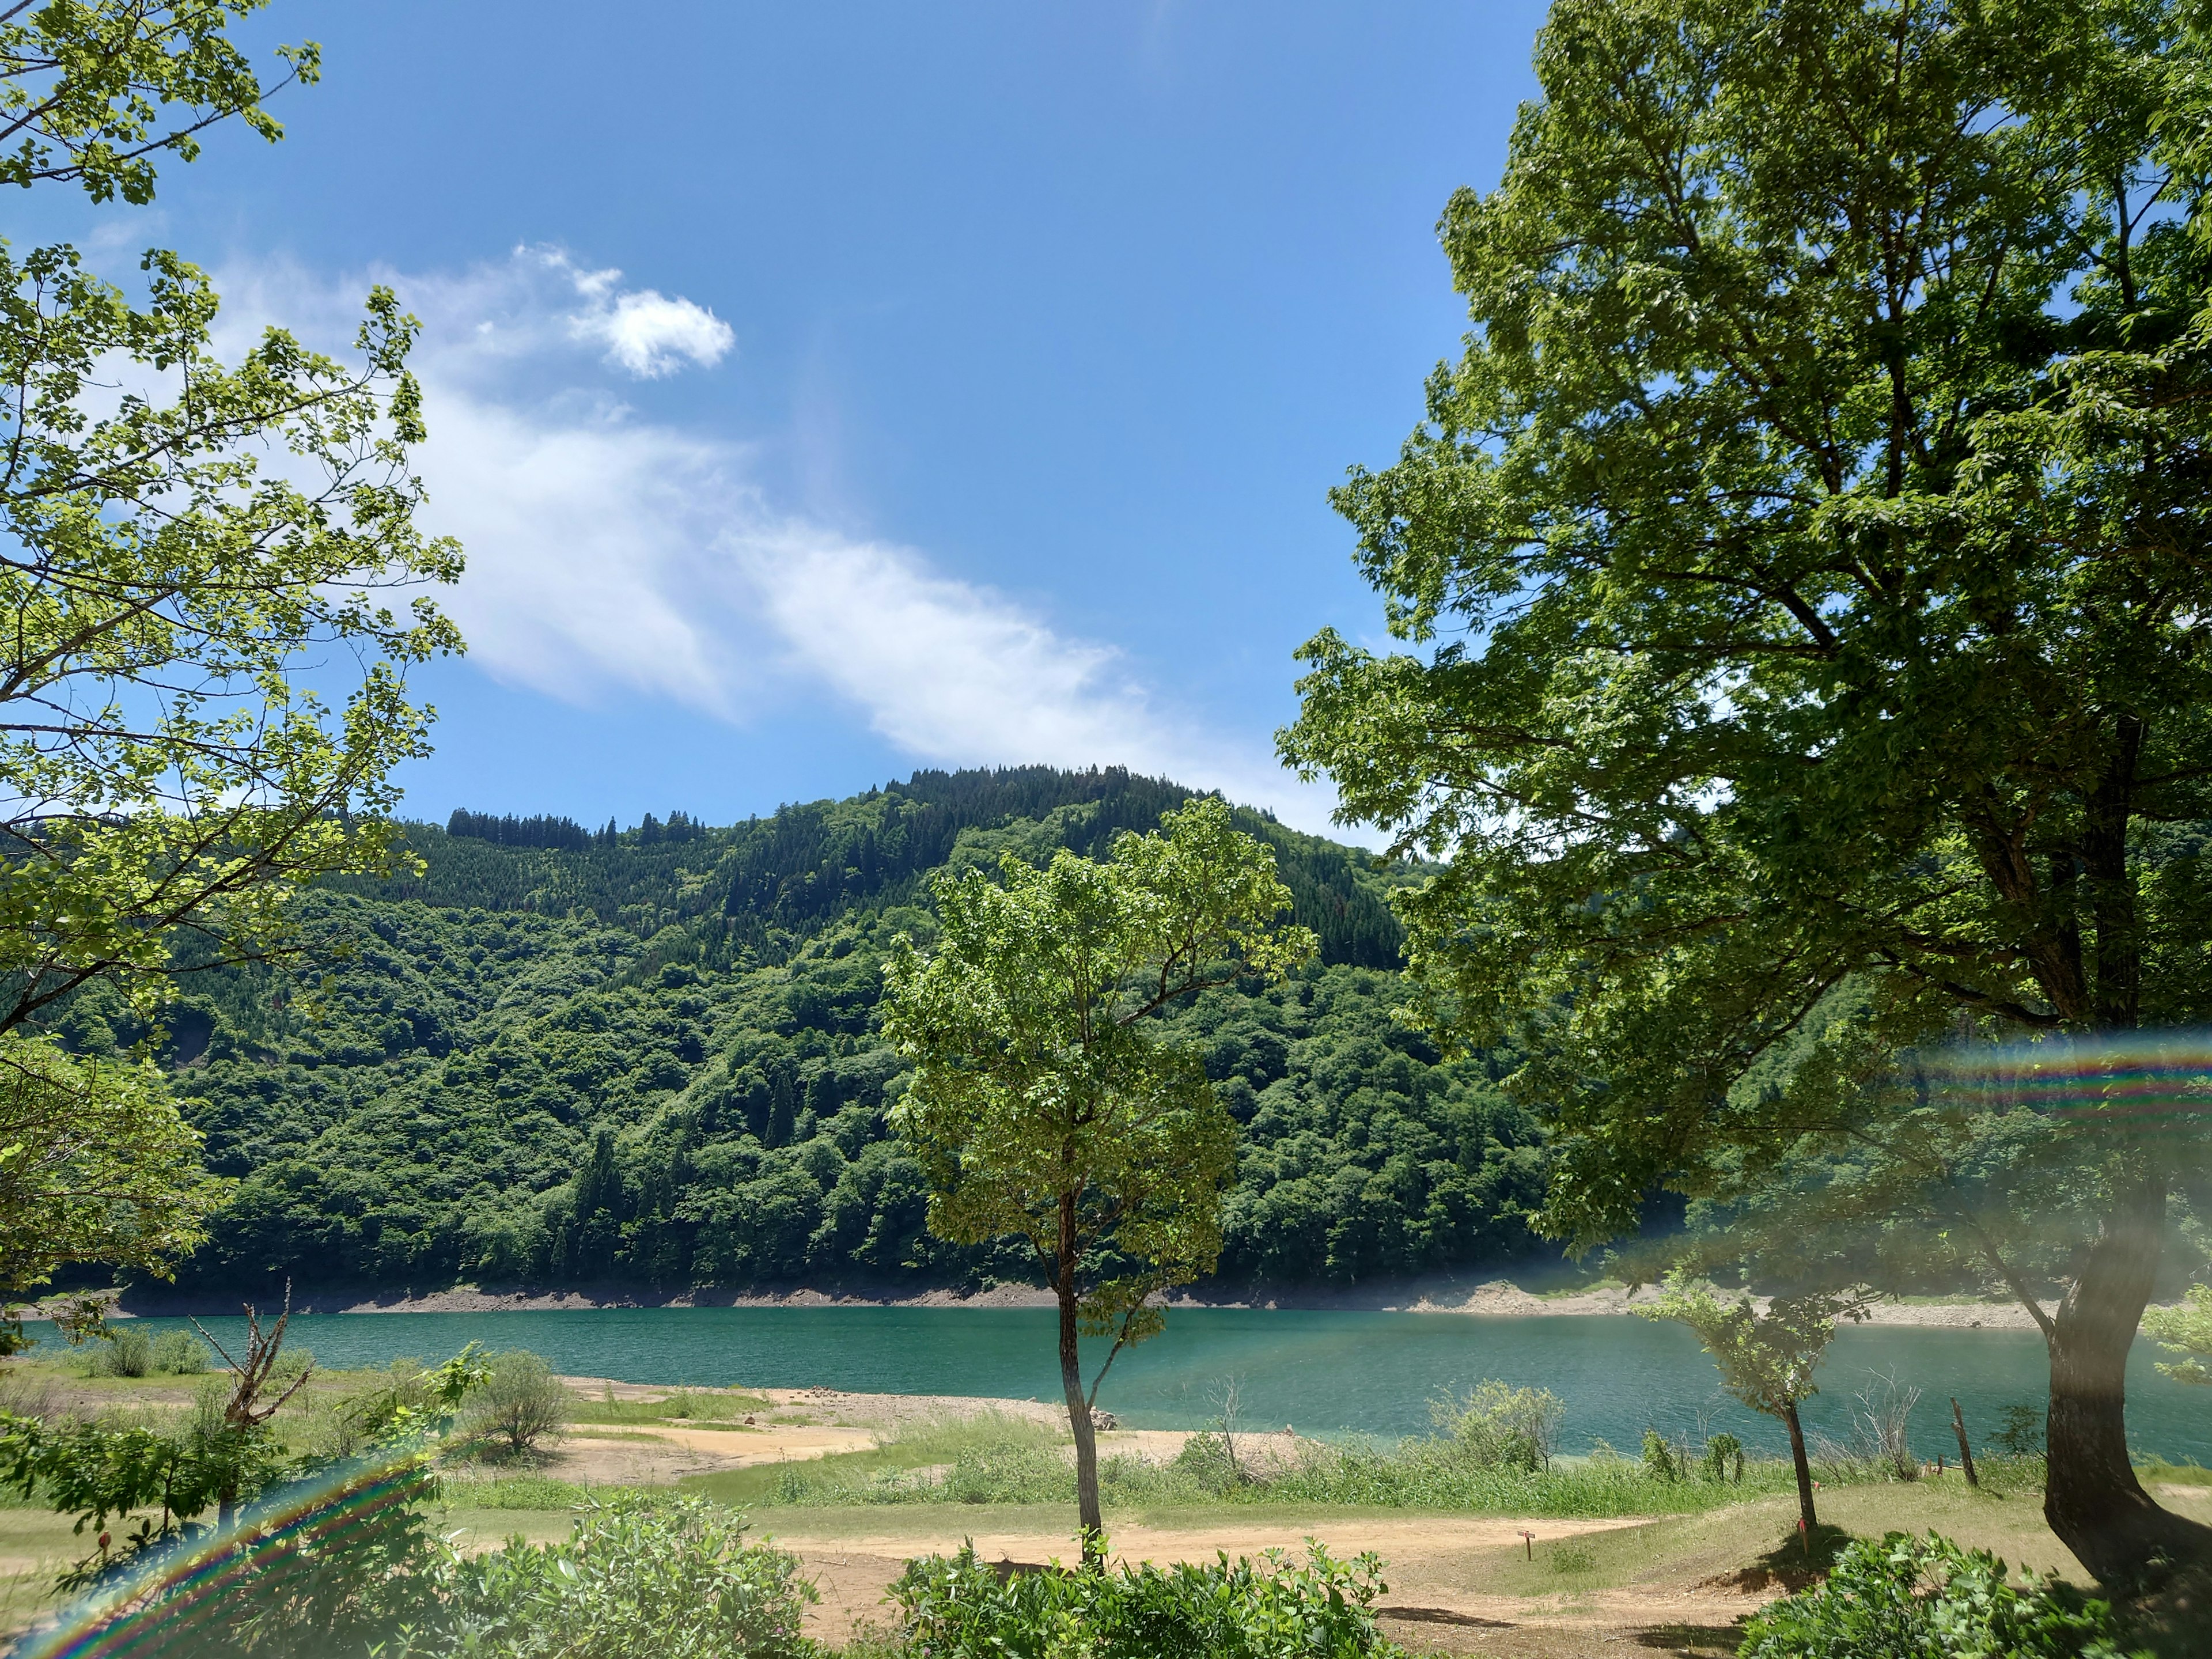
(179,1353)
(1503,1427)
(958,1608)
(1721,1451)
(636,1579)
(1916,1598)
(128,1352)
(520,1404)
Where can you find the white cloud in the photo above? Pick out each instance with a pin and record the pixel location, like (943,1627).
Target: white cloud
(645,332)
(611,555)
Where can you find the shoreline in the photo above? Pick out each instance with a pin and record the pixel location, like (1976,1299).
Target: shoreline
(1491,1297)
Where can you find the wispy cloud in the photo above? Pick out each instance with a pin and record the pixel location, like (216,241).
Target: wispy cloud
(610,554)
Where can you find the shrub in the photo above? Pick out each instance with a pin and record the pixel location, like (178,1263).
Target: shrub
(179,1353)
(1915,1598)
(128,1352)
(1721,1451)
(958,1608)
(1659,1460)
(520,1403)
(636,1579)
(1501,1427)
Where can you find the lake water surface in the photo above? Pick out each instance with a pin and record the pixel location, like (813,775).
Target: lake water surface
(1325,1372)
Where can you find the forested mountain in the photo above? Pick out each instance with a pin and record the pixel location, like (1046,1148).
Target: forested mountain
(562,1055)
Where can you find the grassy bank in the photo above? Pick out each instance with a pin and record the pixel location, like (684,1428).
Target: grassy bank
(997,1461)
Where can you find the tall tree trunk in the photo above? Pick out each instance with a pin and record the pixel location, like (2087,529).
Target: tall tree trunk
(1078,1423)
(2092,1498)
(1805,1516)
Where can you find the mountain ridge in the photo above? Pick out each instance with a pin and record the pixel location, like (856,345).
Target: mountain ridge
(652,1059)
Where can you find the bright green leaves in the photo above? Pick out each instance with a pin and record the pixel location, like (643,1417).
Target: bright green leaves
(181,543)
(1044,1102)
(93,92)
(167,566)
(1810,556)
(1767,1360)
(2186,1331)
(95,1165)
(163,580)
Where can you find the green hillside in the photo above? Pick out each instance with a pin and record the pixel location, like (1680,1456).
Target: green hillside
(572,1056)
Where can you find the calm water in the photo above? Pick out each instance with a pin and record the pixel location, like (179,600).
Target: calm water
(1325,1372)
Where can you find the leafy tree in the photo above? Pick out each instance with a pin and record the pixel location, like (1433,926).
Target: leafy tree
(166,779)
(1045,1103)
(167,785)
(1808,555)
(1767,1359)
(95,1165)
(2186,1331)
(84,88)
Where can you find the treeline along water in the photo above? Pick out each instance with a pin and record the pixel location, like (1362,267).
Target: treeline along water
(1322,1372)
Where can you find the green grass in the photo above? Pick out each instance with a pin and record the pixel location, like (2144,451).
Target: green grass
(517,1492)
(683,1405)
(1000,1461)
(868,1477)
(2173,1474)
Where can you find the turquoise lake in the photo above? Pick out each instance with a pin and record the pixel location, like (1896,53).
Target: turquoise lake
(1325,1372)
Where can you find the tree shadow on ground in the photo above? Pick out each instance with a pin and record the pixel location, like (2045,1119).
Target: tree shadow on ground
(1443,1616)
(1797,1561)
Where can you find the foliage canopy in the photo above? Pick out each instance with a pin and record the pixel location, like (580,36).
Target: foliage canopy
(1808,555)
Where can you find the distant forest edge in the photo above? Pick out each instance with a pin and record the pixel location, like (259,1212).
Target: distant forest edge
(561,1056)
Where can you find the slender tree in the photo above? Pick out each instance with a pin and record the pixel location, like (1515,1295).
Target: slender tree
(1045,1103)
(1767,1360)
(1807,565)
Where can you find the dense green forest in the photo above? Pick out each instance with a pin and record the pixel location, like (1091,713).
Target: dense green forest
(567,1056)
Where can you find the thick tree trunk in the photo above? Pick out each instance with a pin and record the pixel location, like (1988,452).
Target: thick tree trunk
(1805,1515)
(1078,1423)
(2092,1498)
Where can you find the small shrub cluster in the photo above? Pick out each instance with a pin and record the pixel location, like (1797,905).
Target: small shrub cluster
(636,1579)
(520,1491)
(1910,1598)
(683,1404)
(129,1351)
(958,1608)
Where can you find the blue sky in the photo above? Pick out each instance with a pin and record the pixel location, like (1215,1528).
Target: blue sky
(827,391)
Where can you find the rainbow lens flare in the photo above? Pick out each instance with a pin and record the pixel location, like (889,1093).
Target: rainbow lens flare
(175,1593)
(2139,1082)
